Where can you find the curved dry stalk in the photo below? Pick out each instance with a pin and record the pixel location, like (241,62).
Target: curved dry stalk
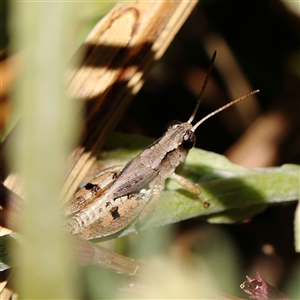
(119,53)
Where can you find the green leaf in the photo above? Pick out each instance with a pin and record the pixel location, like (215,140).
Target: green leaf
(229,193)
(233,193)
(297,228)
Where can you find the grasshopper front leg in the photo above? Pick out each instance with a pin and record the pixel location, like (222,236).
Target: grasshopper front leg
(191,187)
(156,193)
(186,184)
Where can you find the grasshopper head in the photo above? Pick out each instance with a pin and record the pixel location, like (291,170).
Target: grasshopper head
(182,133)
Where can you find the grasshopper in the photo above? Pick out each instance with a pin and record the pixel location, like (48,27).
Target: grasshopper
(118,196)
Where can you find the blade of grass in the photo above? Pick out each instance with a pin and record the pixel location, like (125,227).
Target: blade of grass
(40,147)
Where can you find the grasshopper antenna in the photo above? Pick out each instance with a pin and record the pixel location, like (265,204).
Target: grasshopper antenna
(212,61)
(222,108)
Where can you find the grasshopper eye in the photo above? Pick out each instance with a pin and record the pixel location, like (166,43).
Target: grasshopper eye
(188,140)
(173,124)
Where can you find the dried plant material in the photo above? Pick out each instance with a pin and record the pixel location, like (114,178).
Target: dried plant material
(118,54)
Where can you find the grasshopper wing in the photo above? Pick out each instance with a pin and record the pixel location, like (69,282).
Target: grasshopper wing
(92,190)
